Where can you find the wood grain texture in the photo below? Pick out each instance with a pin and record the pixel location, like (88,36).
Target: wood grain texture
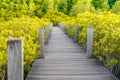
(41,40)
(48,33)
(75,34)
(90,42)
(15,59)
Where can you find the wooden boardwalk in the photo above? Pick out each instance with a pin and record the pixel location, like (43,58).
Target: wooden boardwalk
(66,60)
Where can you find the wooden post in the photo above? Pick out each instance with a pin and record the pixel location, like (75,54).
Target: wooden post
(51,25)
(41,40)
(15,59)
(68,29)
(75,34)
(90,42)
(59,25)
(47,33)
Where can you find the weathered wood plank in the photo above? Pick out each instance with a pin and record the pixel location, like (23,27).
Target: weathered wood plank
(70,72)
(90,42)
(47,33)
(15,59)
(73,77)
(75,34)
(41,40)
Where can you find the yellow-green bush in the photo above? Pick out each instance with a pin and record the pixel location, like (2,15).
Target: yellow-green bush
(106,35)
(55,16)
(25,28)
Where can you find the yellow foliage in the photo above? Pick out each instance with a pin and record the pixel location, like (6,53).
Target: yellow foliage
(25,28)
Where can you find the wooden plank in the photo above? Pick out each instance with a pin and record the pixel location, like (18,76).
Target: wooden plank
(64,62)
(70,72)
(70,79)
(73,77)
(69,26)
(68,68)
(15,59)
(81,69)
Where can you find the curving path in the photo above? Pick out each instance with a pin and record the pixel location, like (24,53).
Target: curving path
(66,60)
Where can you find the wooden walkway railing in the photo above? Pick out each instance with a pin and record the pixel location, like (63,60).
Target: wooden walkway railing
(66,60)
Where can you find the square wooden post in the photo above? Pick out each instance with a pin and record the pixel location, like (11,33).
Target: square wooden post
(75,34)
(51,25)
(69,29)
(15,59)
(41,40)
(47,33)
(90,42)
